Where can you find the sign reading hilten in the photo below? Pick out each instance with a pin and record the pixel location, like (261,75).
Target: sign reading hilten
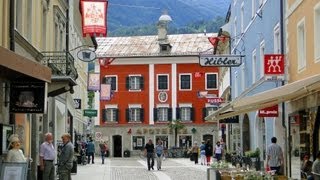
(220,60)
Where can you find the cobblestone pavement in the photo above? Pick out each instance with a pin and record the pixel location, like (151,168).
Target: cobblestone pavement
(136,169)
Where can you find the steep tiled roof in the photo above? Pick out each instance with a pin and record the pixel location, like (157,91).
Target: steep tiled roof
(146,46)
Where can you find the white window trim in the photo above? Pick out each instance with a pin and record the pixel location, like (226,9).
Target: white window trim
(168,83)
(208,105)
(180,81)
(111,106)
(162,106)
(262,46)
(235,28)
(206,81)
(254,66)
(253,8)
(276,30)
(116,76)
(134,75)
(236,89)
(242,18)
(185,105)
(135,106)
(316,33)
(301,67)
(243,78)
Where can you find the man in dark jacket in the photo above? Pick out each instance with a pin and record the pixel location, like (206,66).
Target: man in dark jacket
(209,151)
(90,151)
(149,152)
(65,162)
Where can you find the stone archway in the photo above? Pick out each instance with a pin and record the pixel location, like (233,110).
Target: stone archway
(246,133)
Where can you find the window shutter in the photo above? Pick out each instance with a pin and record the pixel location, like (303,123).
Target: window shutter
(204,113)
(127,83)
(127,115)
(141,114)
(170,114)
(141,82)
(192,114)
(117,115)
(104,80)
(177,113)
(155,114)
(104,115)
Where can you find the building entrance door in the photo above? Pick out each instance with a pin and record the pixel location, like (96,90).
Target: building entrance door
(117,146)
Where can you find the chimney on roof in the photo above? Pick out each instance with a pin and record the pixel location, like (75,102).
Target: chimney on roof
(163,26)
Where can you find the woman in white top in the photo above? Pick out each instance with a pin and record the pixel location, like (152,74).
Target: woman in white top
(218,151)
(15,154)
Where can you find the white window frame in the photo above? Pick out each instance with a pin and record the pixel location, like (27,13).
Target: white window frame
(185,74)
(206,75)
(235,28)
(262,53)
(277,39)
(253,8)
(243,78)
(113,107)
(254,66)
(181,106)
(167,82)
(164,114)
(242,18)
(111,76)
(316,33)
(138,76)
(301,46)
(236,89)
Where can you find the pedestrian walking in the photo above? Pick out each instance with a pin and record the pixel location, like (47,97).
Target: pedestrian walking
(65,162)
(159,154)
(274,156)
(47,157)
(15,154)
(218,151)
(90,149)
(209,151)
(203,153)
(194,151)
(149,152)
(103,150)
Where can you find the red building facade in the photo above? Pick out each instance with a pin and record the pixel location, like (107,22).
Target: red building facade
(151,86)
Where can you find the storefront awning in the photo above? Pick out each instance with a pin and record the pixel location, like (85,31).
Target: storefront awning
(297,89)
(20,64)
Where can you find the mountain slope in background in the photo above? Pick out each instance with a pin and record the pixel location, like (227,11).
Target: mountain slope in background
(134,13)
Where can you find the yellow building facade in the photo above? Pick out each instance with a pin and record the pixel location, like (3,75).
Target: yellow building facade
(302,21)
(36,49)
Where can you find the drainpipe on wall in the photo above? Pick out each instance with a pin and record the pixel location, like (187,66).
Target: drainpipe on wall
(282,84)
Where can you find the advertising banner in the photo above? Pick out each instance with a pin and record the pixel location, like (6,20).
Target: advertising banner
(93,82)
(105,92)
(94,17)
(27,97)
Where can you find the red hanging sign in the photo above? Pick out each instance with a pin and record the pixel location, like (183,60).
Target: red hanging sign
(269,112)
(274,64)
(94,17)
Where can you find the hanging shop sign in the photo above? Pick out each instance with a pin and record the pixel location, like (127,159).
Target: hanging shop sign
(93,81)
(274,66)
(27,97)
(94,17)
(77,103)
(90,113)
(269,112)
(86,55)
(105,92)
(215,100)
(233,119)
(220,60)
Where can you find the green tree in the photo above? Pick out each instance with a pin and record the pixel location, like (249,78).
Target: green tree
(175,125)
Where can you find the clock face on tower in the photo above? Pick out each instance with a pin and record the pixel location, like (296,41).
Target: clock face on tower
(163,96)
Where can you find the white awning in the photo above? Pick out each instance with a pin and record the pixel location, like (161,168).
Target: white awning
(295,90)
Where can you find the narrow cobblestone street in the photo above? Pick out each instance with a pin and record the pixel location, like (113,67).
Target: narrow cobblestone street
(136,169)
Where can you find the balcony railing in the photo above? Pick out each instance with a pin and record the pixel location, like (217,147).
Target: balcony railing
(61,63)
